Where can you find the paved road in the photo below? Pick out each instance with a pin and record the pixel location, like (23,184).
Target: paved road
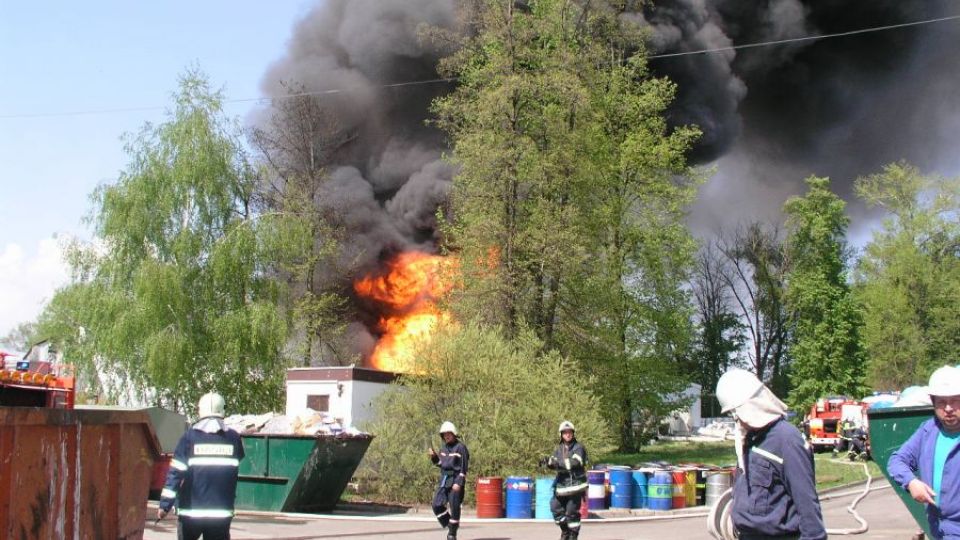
(887,517)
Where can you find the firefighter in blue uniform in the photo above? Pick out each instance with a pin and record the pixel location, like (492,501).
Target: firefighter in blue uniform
(774,495)
(453,460)
(569,460)
(202,481)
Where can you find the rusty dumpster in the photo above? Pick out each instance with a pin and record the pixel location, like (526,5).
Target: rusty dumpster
(74,473)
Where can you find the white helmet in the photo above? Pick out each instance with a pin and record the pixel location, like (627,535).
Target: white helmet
(945,381)
(735,388)
(211,404)
(448,427)
(565,425)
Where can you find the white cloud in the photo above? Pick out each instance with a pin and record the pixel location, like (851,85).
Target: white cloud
(28,280)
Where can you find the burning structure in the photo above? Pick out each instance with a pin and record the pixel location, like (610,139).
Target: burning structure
(770,115)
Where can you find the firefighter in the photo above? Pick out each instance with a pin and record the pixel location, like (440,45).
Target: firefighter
(928,464)
(774,495)
(453,460)
(570,461)
(202,481)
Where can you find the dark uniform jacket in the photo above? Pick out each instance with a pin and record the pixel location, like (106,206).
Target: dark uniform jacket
(775,495)
(569,460)
(203,474)
(453,460)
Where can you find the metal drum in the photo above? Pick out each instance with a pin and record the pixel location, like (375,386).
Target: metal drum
(596,490)
(679,486)
(690,488)
(718,482)
(621,488)
(639,479)
(519,497)
(490,497)
(659,490)
(543,496)
(701,486)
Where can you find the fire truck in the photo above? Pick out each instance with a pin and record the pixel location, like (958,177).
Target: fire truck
(823,422)
(36,380)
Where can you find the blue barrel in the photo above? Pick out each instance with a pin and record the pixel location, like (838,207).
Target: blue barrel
(621,488)
(519,497)
(639,479)
(544,494)
(596,491)
(660,490)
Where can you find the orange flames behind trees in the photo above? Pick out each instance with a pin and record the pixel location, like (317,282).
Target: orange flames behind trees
(406,293)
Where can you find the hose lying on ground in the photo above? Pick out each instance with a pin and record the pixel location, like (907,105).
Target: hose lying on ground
(720,525)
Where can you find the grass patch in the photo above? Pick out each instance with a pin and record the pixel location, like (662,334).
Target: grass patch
(830,472)
(708,453)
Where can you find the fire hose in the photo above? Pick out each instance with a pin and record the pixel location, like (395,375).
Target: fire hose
(720,524)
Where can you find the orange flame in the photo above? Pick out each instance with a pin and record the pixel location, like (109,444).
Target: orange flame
(407,291)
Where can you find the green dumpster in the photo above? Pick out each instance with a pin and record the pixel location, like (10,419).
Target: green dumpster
(889,429)
(297,473)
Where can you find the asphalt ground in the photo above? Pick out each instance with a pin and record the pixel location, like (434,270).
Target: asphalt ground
(886,515)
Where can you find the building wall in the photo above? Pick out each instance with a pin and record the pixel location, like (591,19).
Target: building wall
(350,401)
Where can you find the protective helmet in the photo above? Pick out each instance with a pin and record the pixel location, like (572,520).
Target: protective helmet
(211,404)
(945,381)
(448,427)
(565,425)
(735,388)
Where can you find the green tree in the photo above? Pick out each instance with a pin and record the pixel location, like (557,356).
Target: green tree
(20,337)
(828,356)
(908,278)
(494,389)
(721,336)
(568,209)
(174,299)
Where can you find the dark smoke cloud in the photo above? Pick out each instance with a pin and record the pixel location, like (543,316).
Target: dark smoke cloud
(839,107)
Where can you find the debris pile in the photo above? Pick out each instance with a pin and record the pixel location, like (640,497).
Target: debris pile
(310,422)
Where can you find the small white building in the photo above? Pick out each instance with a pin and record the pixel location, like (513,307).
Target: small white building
(344,392)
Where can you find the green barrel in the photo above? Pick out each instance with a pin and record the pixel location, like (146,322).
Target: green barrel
(297,473)
(889,429)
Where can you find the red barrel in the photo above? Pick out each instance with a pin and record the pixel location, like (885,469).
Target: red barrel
(679,491)
(584,509)
(490,497)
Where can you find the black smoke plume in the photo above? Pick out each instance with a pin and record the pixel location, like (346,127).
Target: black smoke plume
(838,107)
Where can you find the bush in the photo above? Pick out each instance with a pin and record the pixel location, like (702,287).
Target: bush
(506,398)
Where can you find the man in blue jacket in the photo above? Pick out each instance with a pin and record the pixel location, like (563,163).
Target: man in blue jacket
(454,461)
(775,494)
(927,465)
(203,475)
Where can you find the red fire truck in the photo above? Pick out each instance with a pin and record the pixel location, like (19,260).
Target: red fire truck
(35,382)
(823,422)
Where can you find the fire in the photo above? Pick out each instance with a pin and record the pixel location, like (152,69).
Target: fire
(406,292)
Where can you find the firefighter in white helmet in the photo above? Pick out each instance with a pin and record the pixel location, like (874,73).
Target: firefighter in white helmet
(775,494)
(928,464)
(570,461)
(453,460)
(203,475)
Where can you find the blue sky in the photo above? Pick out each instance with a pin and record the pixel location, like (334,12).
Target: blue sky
(59,57)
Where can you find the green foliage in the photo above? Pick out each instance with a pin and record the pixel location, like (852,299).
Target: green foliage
(569,204)
(908,278)
(504,395)
(20,337)
(828,357)
(175,299)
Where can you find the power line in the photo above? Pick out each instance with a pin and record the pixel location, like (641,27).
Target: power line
(452,79)
(806,38)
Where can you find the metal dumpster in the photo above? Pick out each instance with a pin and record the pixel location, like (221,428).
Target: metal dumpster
(889,429)
(74,474)
(297,473)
